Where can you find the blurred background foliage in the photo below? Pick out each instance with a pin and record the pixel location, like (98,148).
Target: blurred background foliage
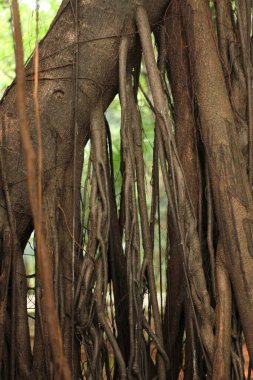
(47,11)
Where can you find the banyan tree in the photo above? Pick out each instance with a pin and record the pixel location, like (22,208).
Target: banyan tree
(154,281)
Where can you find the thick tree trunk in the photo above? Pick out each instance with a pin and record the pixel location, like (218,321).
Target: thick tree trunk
(87,57)
(230,185)
(186,140)
(101,25)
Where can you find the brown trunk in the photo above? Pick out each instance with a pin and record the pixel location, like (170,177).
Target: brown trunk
(91,53)
(4,281)
(222,361)
(230,186)
(178,198)
(186,141)
(99,39)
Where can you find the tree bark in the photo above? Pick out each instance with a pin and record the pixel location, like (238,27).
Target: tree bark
(230,185)
(100,28)
(186,140)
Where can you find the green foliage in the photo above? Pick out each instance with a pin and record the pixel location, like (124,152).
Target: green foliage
(113,115)
(7,68)
(47,11)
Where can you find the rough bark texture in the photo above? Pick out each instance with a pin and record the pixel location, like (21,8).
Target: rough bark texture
(186,140)
(221,368)
(100,28)
(102,267)
(232,193)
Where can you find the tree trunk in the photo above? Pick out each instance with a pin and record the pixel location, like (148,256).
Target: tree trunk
(202,139)
(186,140)
(230,185)
(101,26)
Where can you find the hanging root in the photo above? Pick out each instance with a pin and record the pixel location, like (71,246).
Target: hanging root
(134,171)
(100,214)
(221,368)
(103,321)
(130,217)
(146,235)
(178,197)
